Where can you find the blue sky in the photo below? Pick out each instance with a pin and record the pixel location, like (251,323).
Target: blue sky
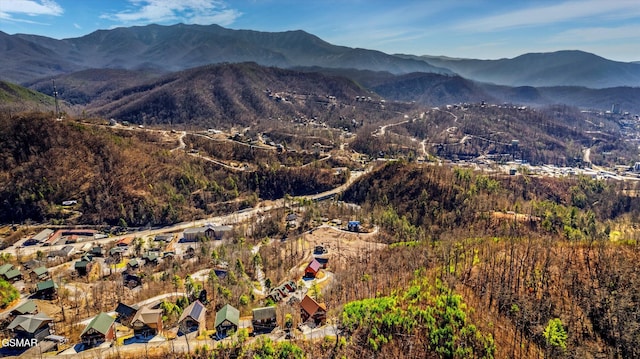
(485,29)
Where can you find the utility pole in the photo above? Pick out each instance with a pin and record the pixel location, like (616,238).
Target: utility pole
(55,96)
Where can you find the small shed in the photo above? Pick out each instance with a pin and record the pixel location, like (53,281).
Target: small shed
(353,226)
(82,267)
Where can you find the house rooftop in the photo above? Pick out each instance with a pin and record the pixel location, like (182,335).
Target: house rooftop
(100,323)
(315,265)
(29,322)
(40,271)
(310,306)
(81,264)
(43,235)
(196,311)
(11,274)
(125,310)
(147,315)
(228,313)
(47,284)
(264,313)
(28,307)
(5,268)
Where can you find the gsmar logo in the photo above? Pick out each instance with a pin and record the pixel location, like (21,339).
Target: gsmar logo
(19,342)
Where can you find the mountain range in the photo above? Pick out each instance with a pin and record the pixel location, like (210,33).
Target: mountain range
(561,68)
(178,47)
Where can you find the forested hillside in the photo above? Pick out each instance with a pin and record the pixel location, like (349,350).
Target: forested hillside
(547,264)
(126,176)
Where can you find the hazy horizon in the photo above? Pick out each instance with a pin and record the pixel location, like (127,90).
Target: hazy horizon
(479,29)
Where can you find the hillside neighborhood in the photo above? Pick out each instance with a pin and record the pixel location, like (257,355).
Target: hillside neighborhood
(69,256)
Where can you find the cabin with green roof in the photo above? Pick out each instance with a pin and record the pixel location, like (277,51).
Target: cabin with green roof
(46,290)
(28,307)
(101,329)
(227,321)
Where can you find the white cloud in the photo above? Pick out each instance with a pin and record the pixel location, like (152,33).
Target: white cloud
(187,11)
(9,9)
(598,34)
(557,13)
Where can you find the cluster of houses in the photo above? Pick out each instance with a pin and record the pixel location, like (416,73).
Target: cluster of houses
(37,273)
(26,323)
(147,322)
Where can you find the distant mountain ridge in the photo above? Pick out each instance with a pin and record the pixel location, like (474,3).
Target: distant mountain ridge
(179,47)
(220,95)
(561,68)
(26,58)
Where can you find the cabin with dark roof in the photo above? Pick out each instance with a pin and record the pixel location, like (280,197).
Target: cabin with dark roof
(130,280)
(82,267)
(193,318)
(97,251)
(124,313)
(33,263)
